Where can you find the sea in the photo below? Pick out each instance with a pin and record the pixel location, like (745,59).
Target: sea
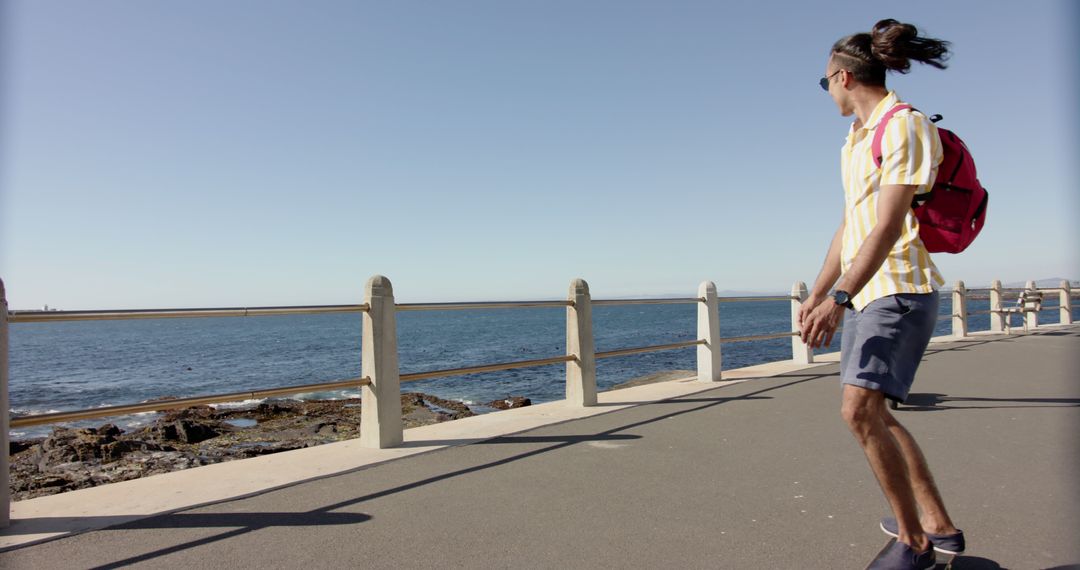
(86,364)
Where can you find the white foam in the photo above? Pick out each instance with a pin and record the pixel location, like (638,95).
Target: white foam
(240,404)
(29,412)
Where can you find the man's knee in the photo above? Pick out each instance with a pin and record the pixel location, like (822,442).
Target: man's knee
(860,407)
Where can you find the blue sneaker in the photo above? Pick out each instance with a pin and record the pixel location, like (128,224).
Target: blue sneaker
(943,543)
(898,556)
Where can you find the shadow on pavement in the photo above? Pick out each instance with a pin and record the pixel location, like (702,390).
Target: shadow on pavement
(930,402)
(254,521)
(972,563)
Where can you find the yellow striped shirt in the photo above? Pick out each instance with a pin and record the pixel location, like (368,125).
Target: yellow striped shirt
(911,154)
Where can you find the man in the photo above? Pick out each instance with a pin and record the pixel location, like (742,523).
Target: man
(879,277)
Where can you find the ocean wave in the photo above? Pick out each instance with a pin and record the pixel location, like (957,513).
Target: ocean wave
(29,412)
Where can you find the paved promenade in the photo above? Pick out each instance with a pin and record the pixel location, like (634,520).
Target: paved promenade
(756,474)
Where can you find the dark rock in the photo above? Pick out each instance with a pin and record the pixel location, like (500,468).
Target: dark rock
(51,481)
(168,432)
(412,399)
(116,450)
(21,446)
(55,456)
(274,409)
(109,430)
(321,429)
(193,412)
(510,403)
(188,431)
(86,449)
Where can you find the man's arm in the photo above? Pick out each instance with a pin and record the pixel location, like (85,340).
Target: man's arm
(830,272)
(894,201)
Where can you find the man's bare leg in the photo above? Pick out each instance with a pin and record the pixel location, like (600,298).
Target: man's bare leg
(864,411)
(935,519)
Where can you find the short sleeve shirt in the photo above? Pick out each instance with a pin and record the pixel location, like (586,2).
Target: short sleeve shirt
(911,154)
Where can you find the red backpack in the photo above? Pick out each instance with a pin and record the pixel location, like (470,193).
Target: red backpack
(954,211)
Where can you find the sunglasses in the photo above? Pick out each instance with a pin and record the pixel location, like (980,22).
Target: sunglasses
(824,81)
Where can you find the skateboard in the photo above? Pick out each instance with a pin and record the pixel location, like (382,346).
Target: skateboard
(940,558)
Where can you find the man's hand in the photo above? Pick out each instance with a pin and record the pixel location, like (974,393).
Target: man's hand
(808,307)
(818,328)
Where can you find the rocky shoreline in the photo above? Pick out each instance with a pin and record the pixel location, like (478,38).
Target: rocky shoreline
(78,458)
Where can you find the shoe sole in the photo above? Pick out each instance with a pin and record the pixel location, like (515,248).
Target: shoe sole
(936,549)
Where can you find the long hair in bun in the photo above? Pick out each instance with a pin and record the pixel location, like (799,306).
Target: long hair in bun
(891,45)
(896,44)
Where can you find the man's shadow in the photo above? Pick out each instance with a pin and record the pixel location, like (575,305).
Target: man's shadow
(971,563)
(931,402)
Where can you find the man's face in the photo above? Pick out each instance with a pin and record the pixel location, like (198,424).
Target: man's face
(836,76)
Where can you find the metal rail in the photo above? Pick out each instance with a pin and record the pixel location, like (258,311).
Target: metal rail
(124,314)
(753,299)
(645,349)
(480,305)
(611,302)
(413,377)
(759,337)
(161,405)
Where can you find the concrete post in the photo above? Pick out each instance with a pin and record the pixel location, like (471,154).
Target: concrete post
(1031,319)
(5,415)
(959,310)
(1066,303)
(580,372)
(380,405)
(708,329)
(801,352)
(997,318)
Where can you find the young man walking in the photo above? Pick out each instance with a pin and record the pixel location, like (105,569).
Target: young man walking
(880,279)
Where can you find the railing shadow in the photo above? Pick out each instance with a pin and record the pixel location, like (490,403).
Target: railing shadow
(965,345)
(568,439)
(255,521)
(1058,333)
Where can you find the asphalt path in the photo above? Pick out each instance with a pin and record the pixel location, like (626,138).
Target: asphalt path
(762,474)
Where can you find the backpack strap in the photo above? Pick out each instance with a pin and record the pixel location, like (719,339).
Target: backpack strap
(879,131)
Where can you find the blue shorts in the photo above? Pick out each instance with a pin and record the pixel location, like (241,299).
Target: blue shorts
(881,346)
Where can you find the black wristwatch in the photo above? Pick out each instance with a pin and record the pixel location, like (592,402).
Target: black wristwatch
(843,298)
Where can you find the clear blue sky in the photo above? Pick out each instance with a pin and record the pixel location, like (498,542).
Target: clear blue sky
(208,153)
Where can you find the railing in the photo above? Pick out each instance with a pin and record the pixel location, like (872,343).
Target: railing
(175,403)
(380,379)
(1030,302)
